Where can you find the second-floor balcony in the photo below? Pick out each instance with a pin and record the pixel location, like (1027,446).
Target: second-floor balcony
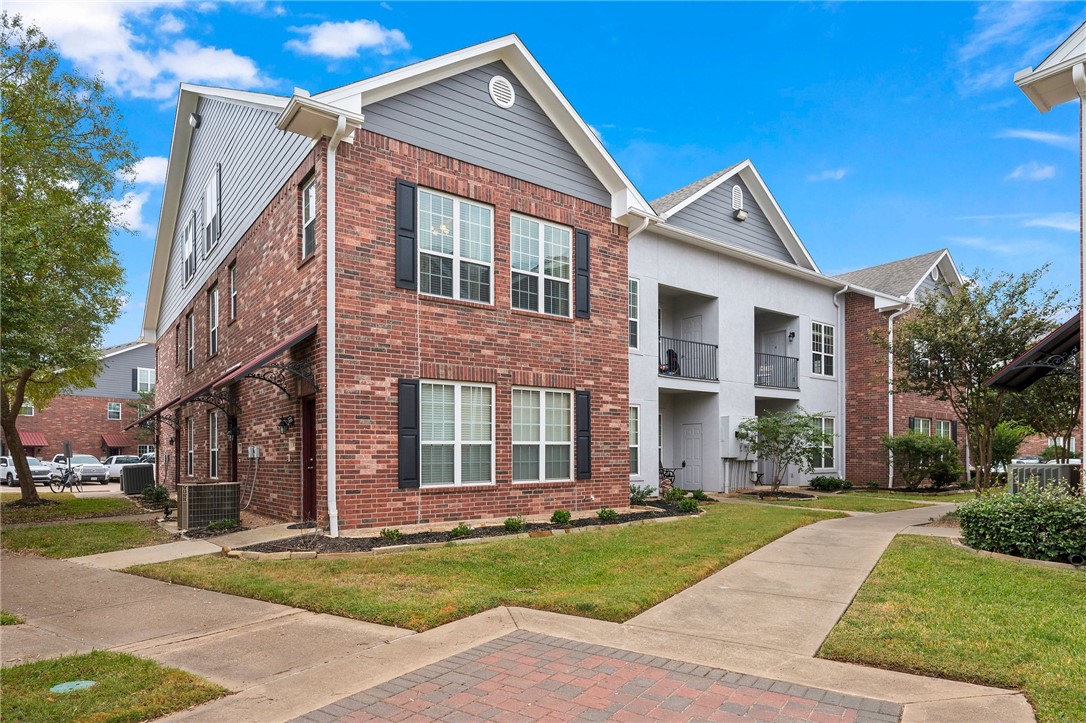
(687,359)
(774,370)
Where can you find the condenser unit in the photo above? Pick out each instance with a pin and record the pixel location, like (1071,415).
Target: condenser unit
(198,505)
(135,478)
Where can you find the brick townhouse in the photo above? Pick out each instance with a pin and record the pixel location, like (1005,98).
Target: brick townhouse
(462,352)
(875,298)
(94,420)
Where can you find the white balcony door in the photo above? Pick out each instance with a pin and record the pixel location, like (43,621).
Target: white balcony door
(691,330)
(773,343)
(691,473)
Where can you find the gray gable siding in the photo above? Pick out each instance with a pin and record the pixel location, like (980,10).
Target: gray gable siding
(711,215)
(256,159)
(115,379)
(457,118)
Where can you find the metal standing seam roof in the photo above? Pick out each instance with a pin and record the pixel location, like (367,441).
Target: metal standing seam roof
(669,201)
(32,439)
(897,278)
(112,439)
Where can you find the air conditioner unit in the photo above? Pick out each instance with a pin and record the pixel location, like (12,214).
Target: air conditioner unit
(135,478)
(730,446)
(198,505)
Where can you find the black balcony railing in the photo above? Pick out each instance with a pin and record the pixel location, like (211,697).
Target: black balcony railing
(687,359)
(773,370)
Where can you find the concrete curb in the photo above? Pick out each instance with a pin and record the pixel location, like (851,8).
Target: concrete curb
(959,543)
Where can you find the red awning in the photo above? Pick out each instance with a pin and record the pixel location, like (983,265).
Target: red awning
(237,371)
(32,439)
(115,440)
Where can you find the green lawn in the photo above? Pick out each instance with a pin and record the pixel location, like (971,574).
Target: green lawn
(9,619)
(126,688)
(68,507)
(932,609)
(81,538)
(920,496)
(851,503)
(608,575)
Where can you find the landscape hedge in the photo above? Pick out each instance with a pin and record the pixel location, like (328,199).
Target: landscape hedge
(1037,524)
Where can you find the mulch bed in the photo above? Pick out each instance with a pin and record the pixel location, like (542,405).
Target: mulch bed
(310,542)
(204,533)
(780,495)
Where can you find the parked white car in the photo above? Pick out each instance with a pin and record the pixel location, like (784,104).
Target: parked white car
(9,476)
(115,463)
(86,466)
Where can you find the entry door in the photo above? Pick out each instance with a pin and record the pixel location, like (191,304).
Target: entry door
(691,330)
(691,479)
(309,459)
(773,343)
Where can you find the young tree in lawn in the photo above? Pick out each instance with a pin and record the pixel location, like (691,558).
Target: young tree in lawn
(1007,437)
(785,439)
(1051,405)
(950,344)
(65,157)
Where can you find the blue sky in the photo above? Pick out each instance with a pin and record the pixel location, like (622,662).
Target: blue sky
(883,129)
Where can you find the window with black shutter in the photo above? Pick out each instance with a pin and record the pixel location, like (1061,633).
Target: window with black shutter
(584,435)
(408,432)
(406,235)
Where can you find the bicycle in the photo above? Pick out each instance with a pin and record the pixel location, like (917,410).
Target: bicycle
(67,480)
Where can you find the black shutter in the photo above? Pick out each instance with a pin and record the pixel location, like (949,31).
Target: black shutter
(135,380)
(406,236)
(583,306)
(912,424)
(409,449)
(954,431)
(584,435)
(218,200)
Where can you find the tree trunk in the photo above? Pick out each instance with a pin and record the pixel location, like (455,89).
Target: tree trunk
(18,456)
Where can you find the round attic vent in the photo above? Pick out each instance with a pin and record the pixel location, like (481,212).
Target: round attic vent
(935,273)
(501,92)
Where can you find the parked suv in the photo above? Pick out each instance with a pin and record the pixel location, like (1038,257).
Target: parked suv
(115,463)
(38,470)
(86,466)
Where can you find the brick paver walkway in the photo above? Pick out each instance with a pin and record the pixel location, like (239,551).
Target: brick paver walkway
(532,677)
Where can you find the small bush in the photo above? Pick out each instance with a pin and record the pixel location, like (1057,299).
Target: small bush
(699,495)
(829,484)
(1038,524)
(561,517)
(689,505)
(514,524)
(222,525)
(391,534)
(945,472)
(673,495)
(638,495)
(461,530)
(156,496)
(606,514)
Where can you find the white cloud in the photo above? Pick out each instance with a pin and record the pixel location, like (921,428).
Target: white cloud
(150,170)
(118,42)
(832,174)
(1058,140)
(1032,171)
(1059,221)
(346,39)
(128,212)
(1013,247)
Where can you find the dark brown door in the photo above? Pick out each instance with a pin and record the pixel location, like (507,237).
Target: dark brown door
(309,458)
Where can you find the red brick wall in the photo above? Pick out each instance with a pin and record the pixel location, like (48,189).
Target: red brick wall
(385,333)
(82,421)
(866,399)
(1039,443)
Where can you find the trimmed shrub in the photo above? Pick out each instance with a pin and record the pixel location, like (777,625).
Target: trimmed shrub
(673,495)
(689,505)
(1038,524)
(824,483)
(461,530)
(606,514)
(156,496)
(514,524)
(699,495)
(561,517)
(222,525)
(638,495)
(391,534)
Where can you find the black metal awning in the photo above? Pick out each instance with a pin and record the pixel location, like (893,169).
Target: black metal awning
(1056,353)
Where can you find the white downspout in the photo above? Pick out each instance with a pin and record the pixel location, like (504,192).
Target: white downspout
(1078,77)
(841,380)
(890,389)
(330,310)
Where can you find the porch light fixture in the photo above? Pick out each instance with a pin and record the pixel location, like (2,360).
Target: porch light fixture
(286,423)
(232,432)
(791,336)
(740,214)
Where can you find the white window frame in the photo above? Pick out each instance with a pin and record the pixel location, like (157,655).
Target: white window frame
(189,235)
(213,320)
(633,304)
(233,290)
(190,452)
(943,424)
(1059,441)
(212,212)
(145,379)
(113,411)
(142,449)
(309,214)
(190,341)
(635,440)
(540,274)
(831,447)
(213,444)
(456,256)
(819,330)
(543,443)
(457,442)
(922,425)
(27,410)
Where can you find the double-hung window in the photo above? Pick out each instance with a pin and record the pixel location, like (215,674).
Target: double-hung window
(922,425)
(457,434)
(635,441)
(213,444)
(177,345)
(542,435)
(145,379)
(190,247)
(541,256)
(145,449)
(825,455)
(943,428)
(27,410)
(309,217)
(635,312)
(456,239)
(821,349)
(190,341)
(212,211)
(113,411)
(190,452)
(233,290)
(213,321)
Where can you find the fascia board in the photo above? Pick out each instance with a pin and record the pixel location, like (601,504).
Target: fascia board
(264,101)
(302,104)
(757,259)
(701,192)
(132,347)
(939,260)
(882,300)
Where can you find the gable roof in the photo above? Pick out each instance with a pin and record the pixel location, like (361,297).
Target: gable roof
(676,201)
(1053,82)
(109,351)
(904,276)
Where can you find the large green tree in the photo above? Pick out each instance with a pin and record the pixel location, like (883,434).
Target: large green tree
(1052,405)
(950,344)
(65,158)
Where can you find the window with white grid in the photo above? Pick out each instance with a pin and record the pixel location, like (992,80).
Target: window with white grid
(113,411)
(213,444)
(922,425)
(541,255)
(821,349)
(190,451)
(213,321)
(190,331)
(634,312)
(943,428)
(190,247)
(457,433)
(145,379)
(825,457)
(309,218)
(542,435)
(456,240)
(635,441)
